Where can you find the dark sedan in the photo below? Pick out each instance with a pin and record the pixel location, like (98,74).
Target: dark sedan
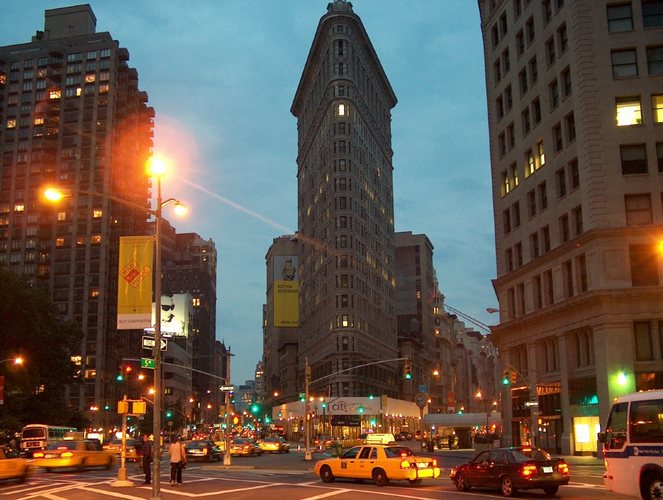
(512,469)
(202,450)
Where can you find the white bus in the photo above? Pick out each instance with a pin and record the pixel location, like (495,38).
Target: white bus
(633,445)
(35,437)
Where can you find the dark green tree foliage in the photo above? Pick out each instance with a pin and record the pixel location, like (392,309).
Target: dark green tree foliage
(29,326)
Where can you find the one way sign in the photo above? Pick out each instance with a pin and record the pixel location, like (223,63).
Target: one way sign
(148,343)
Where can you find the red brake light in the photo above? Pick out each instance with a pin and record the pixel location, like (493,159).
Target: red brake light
(527,449)
(528,470)
(435,462)
(563,468)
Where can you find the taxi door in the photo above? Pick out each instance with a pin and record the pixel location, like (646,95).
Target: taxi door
(366,460)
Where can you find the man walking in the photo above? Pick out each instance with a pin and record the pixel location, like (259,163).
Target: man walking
(146,452)
(177,460)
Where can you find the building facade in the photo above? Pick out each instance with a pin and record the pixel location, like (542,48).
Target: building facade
(72,115)
(345,210)
(575,110)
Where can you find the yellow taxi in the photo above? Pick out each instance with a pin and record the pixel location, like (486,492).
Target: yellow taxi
(12,467)
(381,463)
(133,449)
(76,454)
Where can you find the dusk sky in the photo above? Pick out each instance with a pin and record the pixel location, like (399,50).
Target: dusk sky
(221,77)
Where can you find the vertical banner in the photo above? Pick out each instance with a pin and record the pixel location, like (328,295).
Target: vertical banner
(134,289)
(286,291)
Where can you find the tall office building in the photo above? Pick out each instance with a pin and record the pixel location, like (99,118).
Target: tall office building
(345,210)
(575,110)
(72,115)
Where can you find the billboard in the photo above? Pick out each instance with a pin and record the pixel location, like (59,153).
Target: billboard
(286,290)
(134,289)
(176,313)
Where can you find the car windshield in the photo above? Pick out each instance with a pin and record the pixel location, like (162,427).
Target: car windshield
(62,445)
(398,451)
(525,454)
(352,452)
(197,445)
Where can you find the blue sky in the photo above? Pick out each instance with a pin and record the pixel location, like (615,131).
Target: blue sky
(221,77)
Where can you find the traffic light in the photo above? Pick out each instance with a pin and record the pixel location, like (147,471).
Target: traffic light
(169,413)
(361,409)
(506,378)
(255,408)
(120,374)
(235,420)
(302,397)
(308,417)
(513,376)
(407,372)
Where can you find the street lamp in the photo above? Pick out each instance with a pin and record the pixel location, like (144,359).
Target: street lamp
(18,360)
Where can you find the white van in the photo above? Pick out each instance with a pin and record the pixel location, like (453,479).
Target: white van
(633,445)
(376,438)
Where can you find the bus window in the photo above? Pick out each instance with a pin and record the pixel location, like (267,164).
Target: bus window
(616,429)
(647,421)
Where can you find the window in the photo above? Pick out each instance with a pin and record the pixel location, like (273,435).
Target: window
(533,70)
(549,287)
(530,164)
(506,221)
(644,350)
(581,268)
(567,89)
(506,187)
(562,39)
(564,232)
(657,108)
(506,61)
(511,141)
(655,60)
(557,138)
(529,30)
(652,13)
(577,220)
(495,35)
(570,122)
(522,79)
(534,245)
(628,111)
(526,125)
(503,24)
(644,265)
(560,175)
(497,70)
(520,43)
(634,159)
(550,52)
(508,97)
(518,7)
(531,203)
(638,209)
(540,155)
(543,196)
(536,111)
(659,156)
(501,144)
(499,107)
(574,174)
(518,250)
(620,18)
(515,212)
(545,238)
(547,11)
(567,276)
(624,63)
(553,89)
(537,290)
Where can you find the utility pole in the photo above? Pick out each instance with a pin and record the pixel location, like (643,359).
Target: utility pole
(307,421)
(226,453)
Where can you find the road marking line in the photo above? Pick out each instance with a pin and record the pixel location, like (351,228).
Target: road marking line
(330,494)
(111,493)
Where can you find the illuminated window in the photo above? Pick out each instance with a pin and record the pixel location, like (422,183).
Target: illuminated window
(195,302)
(90,78)
(59,242)
(54,94)
(11,123)
(541,157)
(97,213)
(341,110)
(19,207)
(104,88)
(628,111)
(80,240)
(96,238)
(514,174)
(62,216)
(39,121)
(530,165)
(657,105)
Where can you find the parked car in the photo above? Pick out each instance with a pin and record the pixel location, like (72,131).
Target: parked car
(202,450)
(133,448)
(403,436)
(274,444)
(79,454)
(512,469)
(244,447)
(12,466)
(324,441)
(381,463)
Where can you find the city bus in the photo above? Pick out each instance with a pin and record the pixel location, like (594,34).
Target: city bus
(35,437)
(633,445)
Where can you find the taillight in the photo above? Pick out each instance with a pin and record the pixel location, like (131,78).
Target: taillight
(405,464)
(38,454)
(67,454)
(563,468)
(205,451)
(528,470)
(435,462)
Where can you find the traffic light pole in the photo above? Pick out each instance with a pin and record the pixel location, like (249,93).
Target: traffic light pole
(307,419)
(227,460)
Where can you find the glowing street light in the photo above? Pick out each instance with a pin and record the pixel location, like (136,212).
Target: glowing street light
(17,360)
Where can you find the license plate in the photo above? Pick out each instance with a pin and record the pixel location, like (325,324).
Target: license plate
(547,470)
(422,465)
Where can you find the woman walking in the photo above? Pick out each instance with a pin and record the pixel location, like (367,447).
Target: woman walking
(177,460)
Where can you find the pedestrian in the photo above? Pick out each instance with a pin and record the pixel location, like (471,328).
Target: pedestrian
(177,460)
(146,452)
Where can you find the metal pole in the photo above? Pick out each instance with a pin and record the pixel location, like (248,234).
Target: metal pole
(307,422)
(227,459)
(158,390)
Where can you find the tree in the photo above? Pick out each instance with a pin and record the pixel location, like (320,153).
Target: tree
(30,326)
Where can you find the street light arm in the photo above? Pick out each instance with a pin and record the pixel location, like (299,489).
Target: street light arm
(524,379)
(355,367)
(55,194)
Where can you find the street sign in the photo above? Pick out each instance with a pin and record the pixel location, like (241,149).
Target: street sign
(148,343)
(147,363)
(227,387)
(532,403)
(421,399)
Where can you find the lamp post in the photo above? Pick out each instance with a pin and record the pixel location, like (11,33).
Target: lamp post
(18,360)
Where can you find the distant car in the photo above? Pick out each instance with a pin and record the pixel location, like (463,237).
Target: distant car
(244,447)
(274,444)
(76,454)
(381,463)
(403,436)
(133,449)
(512,469)
(324,441)
(11,466)
(202,450)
